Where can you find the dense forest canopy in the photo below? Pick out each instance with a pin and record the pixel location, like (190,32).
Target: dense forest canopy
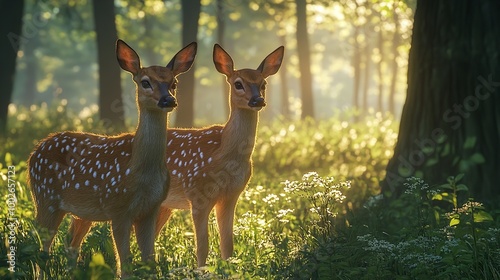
(355,46)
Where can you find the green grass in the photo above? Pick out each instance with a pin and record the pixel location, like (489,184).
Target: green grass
(291,222)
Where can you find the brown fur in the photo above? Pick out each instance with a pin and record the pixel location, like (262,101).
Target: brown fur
(216,177)
(122,179)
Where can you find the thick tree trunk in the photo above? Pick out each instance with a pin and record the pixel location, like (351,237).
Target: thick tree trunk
(111,107)
(450,120)
(304,60)
(190,16)
(11,13)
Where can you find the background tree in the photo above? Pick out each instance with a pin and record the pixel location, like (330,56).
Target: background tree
(396,38)
(304,60)
(31,61)
(190,17)
(11,13)
(65,64)
(283,73)
(449,123)
(111,107)
(220,15)
(380,54)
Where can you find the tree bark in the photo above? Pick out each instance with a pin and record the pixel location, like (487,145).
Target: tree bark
(304,60)
(111,109)
(190,16)
(11,14)
(450,120)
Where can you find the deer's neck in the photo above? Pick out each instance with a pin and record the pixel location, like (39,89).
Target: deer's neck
(150,145)
(238,137)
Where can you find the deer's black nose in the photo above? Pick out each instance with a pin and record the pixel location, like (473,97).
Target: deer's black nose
(167,101)
(257,102)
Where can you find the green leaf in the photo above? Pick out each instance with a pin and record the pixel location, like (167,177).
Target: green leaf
(454,222)
(459,177)
(446,186)
(97,260)
(431,162)
(462,187)
(437,196)
(482,216)
(477,158)
(443,197)
(469,142)
(8,158)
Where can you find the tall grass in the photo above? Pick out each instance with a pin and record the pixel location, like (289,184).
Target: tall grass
(312,210)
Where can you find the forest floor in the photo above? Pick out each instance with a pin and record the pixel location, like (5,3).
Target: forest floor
(312,210)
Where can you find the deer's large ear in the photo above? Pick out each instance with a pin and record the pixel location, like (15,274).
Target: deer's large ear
(272,63)
(183,60)
(223,61)
(127,57)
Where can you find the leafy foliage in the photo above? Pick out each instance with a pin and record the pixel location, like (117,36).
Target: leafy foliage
(288,225)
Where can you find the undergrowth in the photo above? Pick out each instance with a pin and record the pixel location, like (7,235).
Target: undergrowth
(313,210)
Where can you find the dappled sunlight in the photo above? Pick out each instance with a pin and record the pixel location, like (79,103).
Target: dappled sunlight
(285,215)
(328,182)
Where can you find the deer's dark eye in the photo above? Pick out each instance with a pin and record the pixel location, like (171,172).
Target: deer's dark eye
(145,84)
(238,85)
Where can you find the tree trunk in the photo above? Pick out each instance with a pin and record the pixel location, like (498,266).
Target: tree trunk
(304,60)
(356,64)
(380,103)
(285,108)
(366,75)
(190,16)
(395,69)
(149,39)
(29,90)
(111,107)
(450,120)
(11,14)
(221,27)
